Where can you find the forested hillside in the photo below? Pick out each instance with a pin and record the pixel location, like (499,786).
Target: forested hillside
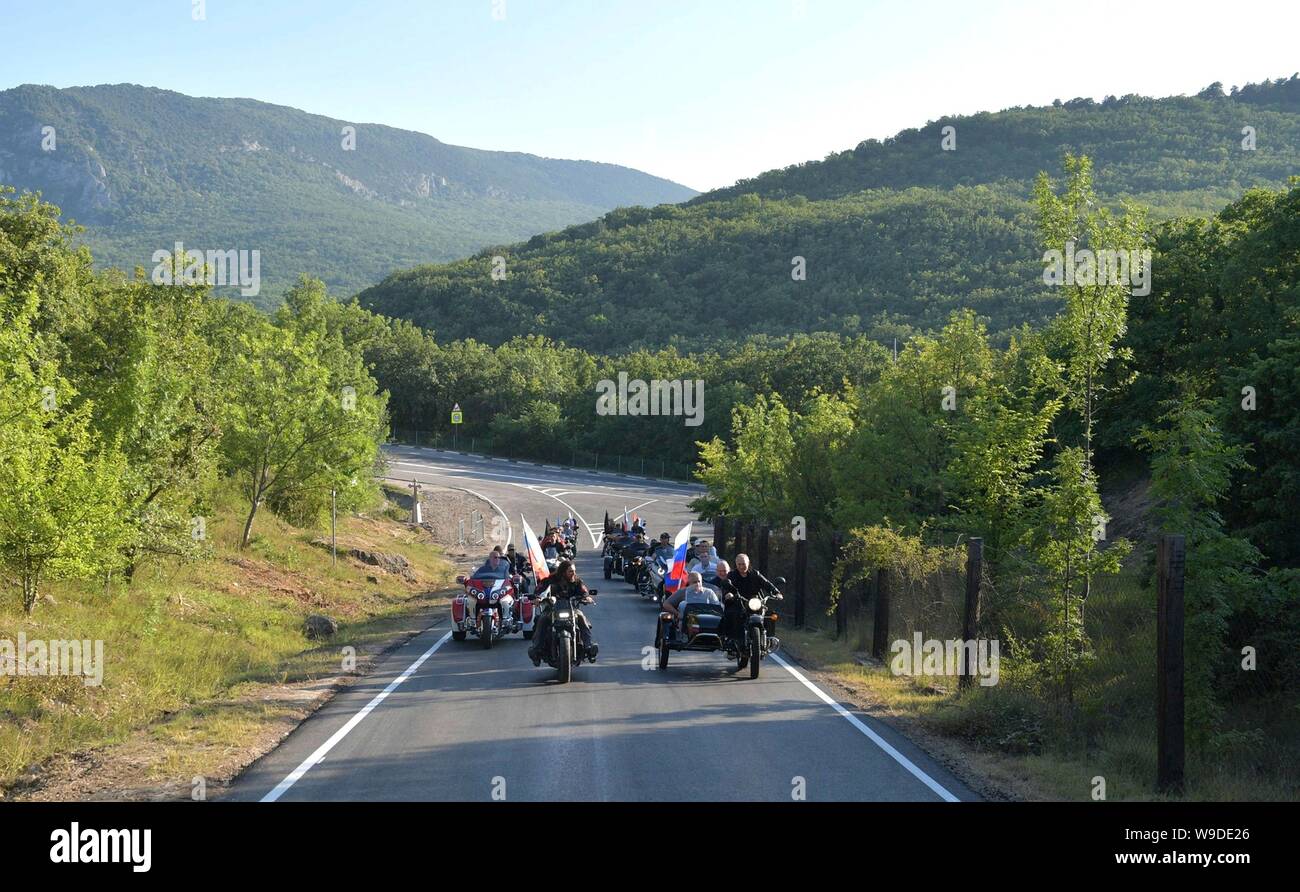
(893,235)
(143,168)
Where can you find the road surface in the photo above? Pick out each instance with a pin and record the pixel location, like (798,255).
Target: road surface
(442,720)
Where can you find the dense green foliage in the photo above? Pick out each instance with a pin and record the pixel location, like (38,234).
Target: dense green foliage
(122,401)
(1140,146)
(895,234)
(143,168)
(958,437)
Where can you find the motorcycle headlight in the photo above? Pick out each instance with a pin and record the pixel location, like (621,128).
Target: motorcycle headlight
(755,604)
(563,614)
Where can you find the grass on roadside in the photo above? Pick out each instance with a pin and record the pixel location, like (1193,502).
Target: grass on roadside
(1109,732)
(184,642)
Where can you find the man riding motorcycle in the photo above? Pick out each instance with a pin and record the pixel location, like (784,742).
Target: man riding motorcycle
(744,582)
(637,548)
(563,583)
(496,564)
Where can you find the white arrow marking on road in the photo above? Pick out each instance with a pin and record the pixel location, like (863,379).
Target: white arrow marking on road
(542,491)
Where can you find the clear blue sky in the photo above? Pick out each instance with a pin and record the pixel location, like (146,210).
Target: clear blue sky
(700,91)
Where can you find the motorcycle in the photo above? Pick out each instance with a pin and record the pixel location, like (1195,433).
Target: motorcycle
(657,570)
(612,556)
(490,608)
(702,631)
(563,648)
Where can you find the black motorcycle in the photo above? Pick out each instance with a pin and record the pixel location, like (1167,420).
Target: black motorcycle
(563,650)
(757,632)
(612,557)
(702,628)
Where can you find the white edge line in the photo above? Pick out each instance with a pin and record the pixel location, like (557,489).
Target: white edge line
(874,737)
(338,735)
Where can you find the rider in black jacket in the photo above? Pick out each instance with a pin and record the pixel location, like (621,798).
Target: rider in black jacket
(743,583)
(563,583)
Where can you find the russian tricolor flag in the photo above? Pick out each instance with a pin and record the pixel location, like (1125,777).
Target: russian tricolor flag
(535,555)
(677,573)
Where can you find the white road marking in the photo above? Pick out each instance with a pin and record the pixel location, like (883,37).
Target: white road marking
(676,488)
(874,737)
(537,489)
(321,751)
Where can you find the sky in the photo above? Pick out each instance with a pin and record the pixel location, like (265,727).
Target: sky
(703,92)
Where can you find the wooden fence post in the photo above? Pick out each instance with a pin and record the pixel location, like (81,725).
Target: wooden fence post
(837,549)
(800,578)
(970,623)
(1170,561)
(764,536)
(880,627)
(720,534)
(736,534)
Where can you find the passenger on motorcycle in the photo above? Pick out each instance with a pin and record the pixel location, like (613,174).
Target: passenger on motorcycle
(694,592)
(563,583)
(705,560)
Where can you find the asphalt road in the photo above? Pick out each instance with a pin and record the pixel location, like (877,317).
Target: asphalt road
(445,720)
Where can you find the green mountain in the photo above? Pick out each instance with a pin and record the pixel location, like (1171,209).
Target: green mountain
(143,168)
(894,234)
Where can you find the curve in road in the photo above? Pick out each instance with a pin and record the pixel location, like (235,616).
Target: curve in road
(447,721)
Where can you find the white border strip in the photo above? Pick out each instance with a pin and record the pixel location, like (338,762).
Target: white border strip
(875,738)
(321,751)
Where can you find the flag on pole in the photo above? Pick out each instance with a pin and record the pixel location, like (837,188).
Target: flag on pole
(677,573)
(534,550)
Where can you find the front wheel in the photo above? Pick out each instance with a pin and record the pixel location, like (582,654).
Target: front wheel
(609,571)
(458,635)
(485,630)
(664,650)
(564,658)
(755,653)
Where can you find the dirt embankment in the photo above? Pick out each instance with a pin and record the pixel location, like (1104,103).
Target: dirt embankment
(461,523)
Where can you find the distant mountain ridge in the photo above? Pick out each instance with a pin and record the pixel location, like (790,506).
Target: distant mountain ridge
(143,167)
(894,234)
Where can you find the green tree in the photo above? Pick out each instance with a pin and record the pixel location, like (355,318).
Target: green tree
(60,486)
(289,431)
(749,480)
(1096,301)
(1191,471)
(1066,540)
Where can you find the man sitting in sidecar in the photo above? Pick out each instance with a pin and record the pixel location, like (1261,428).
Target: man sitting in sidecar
(696,613)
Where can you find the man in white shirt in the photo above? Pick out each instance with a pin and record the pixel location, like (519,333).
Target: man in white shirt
(694,592)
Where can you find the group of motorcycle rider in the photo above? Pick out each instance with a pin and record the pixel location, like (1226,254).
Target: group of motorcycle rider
(708,580)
